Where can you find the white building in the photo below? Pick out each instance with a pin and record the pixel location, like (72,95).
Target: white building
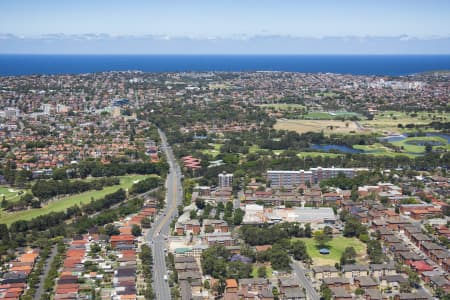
(314,175)
(225,180)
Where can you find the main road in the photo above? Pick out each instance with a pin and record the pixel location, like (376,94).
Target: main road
(304,281)
(157,234)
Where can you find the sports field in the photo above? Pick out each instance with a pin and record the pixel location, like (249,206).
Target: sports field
(336,246)
(66,202)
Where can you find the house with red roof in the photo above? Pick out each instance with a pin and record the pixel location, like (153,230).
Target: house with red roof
(420,266)
(122,239)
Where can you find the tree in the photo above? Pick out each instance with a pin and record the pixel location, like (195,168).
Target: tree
(325,292)
(375,251)
(4,204)
(262,272)
(136,230)
(354,228)
(4,234)
(308,230)
(209,229)
(206,284)
(237,270)
(238,216)
(413,278)
(279,258)
(321,238)
(328,231)
(146,222)
(359,291)
(275,293)
(110,229)
(95,248)
(228,212)
(348,256)
(298,250)
(200,203)
(214,261)
(59,174)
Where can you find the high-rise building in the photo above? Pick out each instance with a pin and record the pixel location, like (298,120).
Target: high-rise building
(225,180)
(314,175)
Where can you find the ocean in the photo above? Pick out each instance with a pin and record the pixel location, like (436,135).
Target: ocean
(12,64)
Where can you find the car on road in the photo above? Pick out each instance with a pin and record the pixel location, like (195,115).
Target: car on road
(166,277)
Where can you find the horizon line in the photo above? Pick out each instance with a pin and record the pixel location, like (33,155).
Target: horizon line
(233,54)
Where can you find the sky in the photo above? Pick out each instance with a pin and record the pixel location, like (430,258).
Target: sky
(51,26)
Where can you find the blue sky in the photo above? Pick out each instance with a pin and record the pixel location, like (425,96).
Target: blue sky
(208,19)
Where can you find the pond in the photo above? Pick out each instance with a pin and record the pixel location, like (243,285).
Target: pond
(401,137)
(342,148)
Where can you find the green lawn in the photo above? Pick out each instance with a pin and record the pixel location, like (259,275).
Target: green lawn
(409,146)
(255,271)
(66,202)
(409,149)
(387,121)
(348,114)
(379,149)
(319,115)
(11,194)
(336,246)
(214,151)
(323,115)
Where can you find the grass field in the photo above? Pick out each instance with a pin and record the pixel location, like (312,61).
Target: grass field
(213,152)
(255,271)
(379,149)
(384,122)
(417,144)
(323,115)
(318,116)
(11,194)
(336,246)
(387,121)
(302,126)
(66,202)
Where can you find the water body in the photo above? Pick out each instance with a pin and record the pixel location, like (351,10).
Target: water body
(397,138)
(341,148)
(12,64)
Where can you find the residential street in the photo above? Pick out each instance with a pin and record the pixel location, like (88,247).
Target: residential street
(48,263)
(304,281)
